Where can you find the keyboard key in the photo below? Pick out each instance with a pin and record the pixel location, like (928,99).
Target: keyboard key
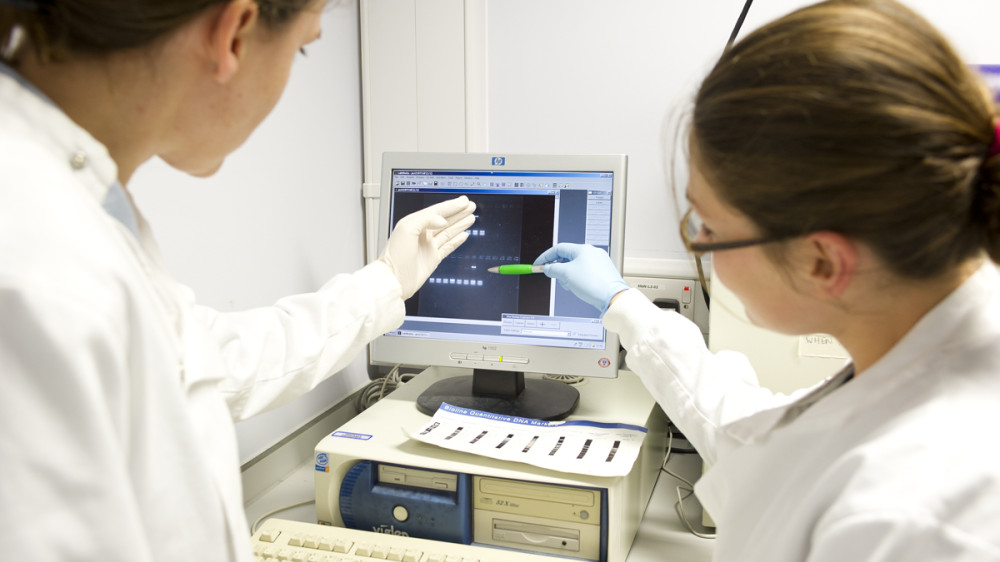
(269,536)
(279,540)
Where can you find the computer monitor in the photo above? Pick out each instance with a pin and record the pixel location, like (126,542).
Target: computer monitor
(501,326)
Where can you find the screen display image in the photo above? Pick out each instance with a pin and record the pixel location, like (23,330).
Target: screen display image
(461,287)
(498,325)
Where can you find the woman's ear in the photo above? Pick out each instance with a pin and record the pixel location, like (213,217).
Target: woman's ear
(833,262)
(230,31)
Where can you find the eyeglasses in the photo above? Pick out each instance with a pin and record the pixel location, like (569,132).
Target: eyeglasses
(691,225)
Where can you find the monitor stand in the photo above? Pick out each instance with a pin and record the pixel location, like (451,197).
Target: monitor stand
(502,392)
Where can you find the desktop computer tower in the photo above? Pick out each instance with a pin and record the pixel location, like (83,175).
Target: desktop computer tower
(370,474)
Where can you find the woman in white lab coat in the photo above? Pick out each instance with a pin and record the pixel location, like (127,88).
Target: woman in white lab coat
(116,416)
(845,176)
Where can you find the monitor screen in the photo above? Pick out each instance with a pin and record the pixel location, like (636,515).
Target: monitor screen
(466,316)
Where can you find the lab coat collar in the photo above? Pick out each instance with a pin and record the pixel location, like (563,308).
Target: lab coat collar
(26,106)
(6,70)
(947,326)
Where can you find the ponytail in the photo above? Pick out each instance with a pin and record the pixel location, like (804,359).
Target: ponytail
(857,117)
(986,199)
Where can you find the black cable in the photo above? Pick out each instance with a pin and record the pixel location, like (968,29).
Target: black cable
(739,24)
(729,45)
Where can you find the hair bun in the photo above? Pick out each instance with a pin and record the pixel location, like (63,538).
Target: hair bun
(986,203)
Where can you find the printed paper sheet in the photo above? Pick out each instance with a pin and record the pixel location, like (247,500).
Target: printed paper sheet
(576,446)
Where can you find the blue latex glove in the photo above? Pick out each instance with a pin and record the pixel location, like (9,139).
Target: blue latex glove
(586,271)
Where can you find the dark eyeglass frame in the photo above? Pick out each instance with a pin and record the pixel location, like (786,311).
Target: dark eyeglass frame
(701,248)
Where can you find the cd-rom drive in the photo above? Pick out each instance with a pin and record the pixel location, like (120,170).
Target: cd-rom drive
(541,517)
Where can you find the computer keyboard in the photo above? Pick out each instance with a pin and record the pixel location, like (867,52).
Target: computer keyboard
(281,540)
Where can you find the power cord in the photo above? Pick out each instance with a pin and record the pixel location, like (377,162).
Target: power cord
(683,492)
(380,387)
(259,520)
(676,433)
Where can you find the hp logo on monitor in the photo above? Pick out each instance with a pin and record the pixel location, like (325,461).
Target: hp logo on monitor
(499,160)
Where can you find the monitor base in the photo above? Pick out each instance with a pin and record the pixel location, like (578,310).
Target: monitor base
(502,392)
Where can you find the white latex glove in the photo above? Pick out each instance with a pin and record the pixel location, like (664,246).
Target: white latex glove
(422,239)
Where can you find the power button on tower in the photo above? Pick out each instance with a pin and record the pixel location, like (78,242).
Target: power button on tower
(400,513)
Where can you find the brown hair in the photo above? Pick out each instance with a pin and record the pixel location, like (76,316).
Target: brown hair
(56,27)
(855,116)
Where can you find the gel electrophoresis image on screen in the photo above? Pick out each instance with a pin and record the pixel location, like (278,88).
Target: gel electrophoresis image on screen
(519,214)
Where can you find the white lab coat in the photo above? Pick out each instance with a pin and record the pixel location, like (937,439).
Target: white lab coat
(900,463)
(119,392)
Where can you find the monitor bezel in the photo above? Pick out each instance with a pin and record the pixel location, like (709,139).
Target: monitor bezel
(427,352)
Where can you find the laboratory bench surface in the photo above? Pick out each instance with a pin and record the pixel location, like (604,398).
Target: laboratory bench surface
(662,536)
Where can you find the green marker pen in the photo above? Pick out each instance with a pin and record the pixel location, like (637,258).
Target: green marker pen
(517,269)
